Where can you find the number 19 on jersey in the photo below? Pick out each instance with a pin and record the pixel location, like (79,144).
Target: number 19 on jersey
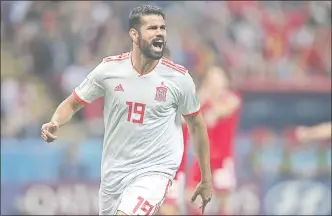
(135,108)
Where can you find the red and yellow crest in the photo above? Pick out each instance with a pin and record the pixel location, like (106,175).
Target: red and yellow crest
(161,93)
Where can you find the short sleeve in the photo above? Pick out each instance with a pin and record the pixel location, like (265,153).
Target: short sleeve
(91,88)
(189,104)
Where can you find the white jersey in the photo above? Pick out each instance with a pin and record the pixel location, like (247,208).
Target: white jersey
(142,118)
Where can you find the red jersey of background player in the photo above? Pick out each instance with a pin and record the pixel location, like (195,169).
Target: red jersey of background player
(222,133)
(183,165)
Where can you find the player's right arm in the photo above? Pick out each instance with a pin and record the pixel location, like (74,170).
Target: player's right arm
(62,114)
(90,89)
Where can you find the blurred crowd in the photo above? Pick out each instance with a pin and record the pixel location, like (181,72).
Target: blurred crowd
(48,47)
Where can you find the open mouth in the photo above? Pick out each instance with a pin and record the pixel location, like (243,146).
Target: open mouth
(158,45)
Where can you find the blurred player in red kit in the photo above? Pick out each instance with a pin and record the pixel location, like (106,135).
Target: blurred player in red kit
(220,106)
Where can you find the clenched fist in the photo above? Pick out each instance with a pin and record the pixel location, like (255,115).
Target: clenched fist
(48,131)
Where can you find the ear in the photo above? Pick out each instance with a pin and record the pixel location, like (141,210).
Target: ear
(133,34)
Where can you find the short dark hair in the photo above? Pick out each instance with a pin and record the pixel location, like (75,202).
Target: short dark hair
(136,14)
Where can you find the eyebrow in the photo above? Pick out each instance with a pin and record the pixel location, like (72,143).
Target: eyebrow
(152,26)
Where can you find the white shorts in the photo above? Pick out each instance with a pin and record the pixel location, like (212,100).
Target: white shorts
(143,197)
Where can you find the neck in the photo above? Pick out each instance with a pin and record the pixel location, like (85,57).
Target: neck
(140,63)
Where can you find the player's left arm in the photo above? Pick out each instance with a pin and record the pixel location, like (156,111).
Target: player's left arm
(190,109)
(189,106)
(198,131)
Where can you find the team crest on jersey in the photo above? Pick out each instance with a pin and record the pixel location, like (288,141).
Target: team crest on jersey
(161,93)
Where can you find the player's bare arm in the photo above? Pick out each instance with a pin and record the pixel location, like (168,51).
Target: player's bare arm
(227,107)
(198,131)
(62,114)
(317,132)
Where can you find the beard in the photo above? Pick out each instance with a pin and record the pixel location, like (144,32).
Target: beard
(148,50)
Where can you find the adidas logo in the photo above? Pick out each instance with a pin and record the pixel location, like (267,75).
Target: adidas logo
(118,88)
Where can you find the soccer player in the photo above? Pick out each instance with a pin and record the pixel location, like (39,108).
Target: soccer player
(144,98)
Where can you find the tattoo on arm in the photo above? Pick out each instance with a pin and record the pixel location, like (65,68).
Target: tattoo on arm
(199,134)
(192,122)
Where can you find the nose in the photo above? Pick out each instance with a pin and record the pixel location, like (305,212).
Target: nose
(160,33)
